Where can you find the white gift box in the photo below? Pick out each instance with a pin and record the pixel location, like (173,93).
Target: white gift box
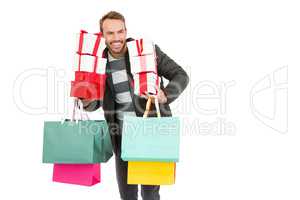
(148,84)
(145,63)
(90,43)
(101,65)
(140,47)
(88,63)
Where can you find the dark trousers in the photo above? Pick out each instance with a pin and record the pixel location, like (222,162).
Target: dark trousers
(130,192)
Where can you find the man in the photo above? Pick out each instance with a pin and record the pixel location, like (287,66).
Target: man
(119,98)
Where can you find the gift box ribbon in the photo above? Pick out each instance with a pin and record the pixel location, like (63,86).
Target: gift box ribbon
(139,46)
(143,83)
(96,45)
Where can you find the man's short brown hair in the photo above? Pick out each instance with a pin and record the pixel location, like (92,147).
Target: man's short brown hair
(111,15)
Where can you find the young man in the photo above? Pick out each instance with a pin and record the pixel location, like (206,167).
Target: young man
(119,98)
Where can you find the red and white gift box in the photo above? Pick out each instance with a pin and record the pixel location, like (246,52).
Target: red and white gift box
(146,63)
(146,83)
(143,66)
(88,85)
(140,47)
(90,77)
(90,43)
(89,63)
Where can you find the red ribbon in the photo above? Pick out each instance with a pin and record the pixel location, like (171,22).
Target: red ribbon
(96,46)
(143,83)
(139,46)
(95,63)
(143,63)
(82,32)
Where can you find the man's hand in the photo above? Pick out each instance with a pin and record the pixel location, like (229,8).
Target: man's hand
(85,102)
(161,96)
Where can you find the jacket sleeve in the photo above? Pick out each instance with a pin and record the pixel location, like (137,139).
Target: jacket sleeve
(169,69)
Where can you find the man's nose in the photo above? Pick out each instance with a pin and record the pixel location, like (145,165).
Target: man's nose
(116,37)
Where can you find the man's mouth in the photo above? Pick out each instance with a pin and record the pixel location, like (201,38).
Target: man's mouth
(116,44)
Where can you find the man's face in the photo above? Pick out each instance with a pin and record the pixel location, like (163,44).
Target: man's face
(114,32)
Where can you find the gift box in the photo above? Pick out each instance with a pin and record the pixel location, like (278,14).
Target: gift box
(87,89)
(145,63)
(90,43)
(146,83)
(88,63)
(140,47)
(90,77)
(151,173)
(78,174)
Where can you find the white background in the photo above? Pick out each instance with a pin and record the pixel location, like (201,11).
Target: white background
(248,43)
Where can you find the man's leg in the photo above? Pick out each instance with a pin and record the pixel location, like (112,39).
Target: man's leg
(150,192)
(127,192)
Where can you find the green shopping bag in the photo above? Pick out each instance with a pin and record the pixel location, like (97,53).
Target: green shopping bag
(84,141)
(150,139)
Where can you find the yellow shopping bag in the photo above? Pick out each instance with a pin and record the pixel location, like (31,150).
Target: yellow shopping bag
(151,173)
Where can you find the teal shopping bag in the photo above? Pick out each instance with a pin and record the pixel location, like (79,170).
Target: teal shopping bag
(150,139)
(76,142)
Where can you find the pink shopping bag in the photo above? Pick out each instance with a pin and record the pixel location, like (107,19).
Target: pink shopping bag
(79,174)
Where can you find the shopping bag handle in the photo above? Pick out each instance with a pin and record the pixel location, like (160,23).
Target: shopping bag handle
(148,106)
(79,104)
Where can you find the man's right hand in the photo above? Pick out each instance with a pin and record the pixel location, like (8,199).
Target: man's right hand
(85,102)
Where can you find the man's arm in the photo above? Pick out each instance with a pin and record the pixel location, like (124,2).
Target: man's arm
(168,68)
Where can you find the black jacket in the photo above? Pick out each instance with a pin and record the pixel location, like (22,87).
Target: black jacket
(167,68)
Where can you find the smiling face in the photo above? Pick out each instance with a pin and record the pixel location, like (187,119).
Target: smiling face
(114,32)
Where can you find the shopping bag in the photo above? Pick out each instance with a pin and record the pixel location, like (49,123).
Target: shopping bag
(151,173)
(150,139)
(80,141)
(79,174)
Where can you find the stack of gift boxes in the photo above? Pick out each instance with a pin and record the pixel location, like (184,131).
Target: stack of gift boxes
(90,67)
(73,165)
(143,67)
(146,166)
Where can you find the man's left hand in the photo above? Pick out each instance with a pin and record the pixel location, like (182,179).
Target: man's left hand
(161,96)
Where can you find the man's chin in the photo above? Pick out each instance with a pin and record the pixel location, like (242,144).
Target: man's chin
(116,51)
